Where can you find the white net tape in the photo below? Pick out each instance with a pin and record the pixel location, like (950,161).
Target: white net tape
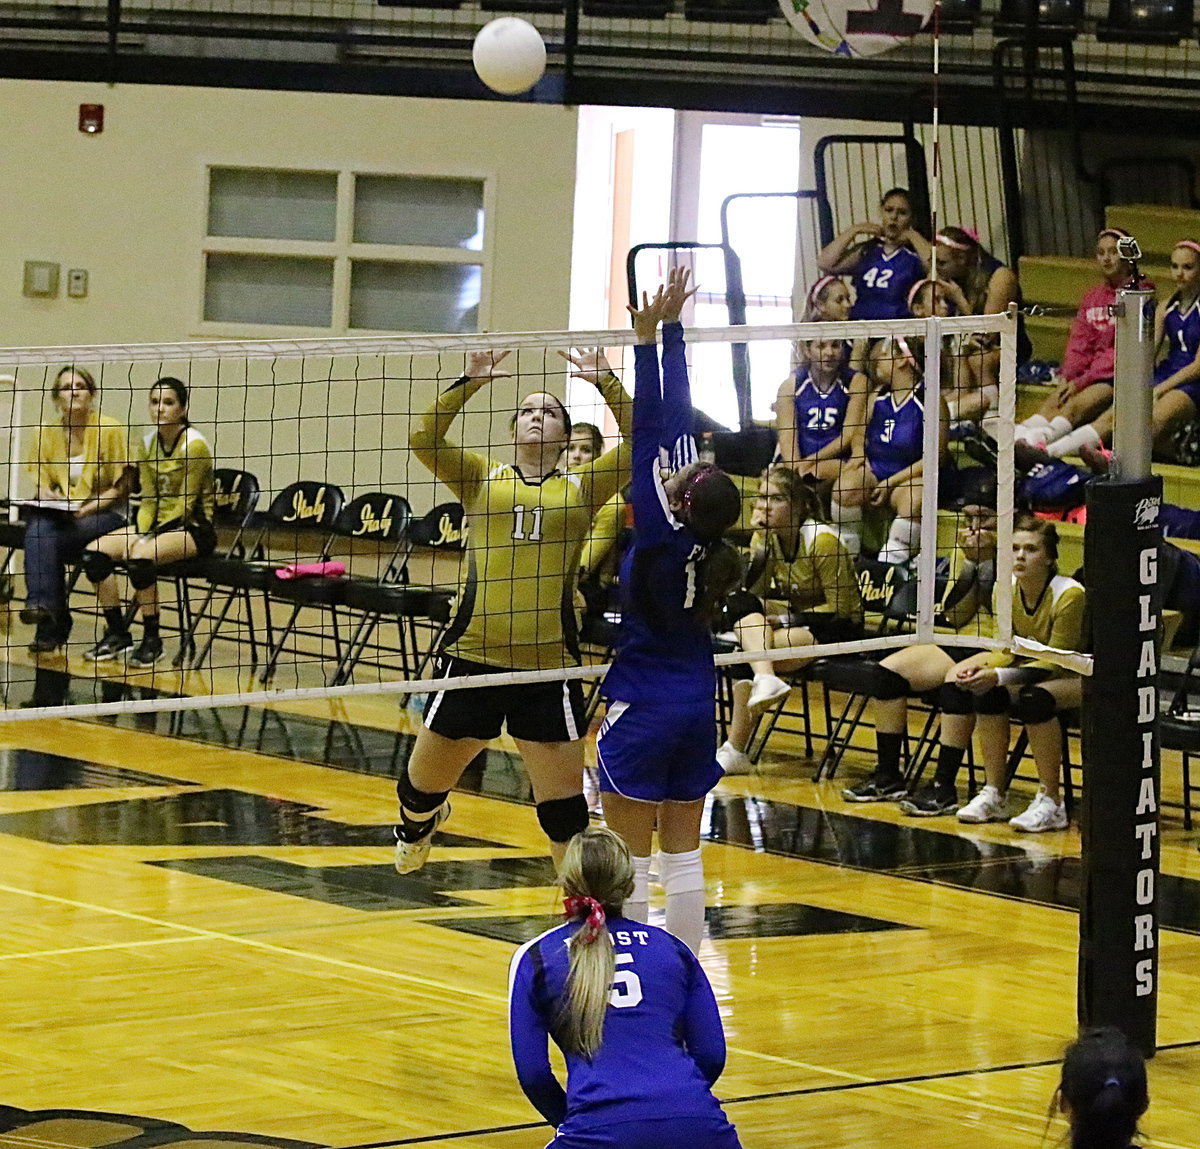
(338,414)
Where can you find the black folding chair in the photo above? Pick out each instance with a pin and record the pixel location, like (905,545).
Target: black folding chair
(301,510)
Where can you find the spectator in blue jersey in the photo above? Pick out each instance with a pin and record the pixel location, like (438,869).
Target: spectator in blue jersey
(1177,375)
(817,410)
(656,753)
(886,467)
(630,1008)
(884,259)
(1102,1091)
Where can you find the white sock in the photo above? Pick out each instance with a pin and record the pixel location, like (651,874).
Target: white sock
(848,521)
(637,905)
(1084,436)
(902,541)
(1032,430)
(682,877)
(1059,426)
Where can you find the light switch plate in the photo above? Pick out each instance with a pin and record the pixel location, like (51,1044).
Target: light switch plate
(41,279)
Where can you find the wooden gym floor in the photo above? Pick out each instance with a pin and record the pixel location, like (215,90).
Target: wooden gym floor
(204,941)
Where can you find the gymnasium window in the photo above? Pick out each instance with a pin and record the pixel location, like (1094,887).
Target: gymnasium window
(721,155)
(342,252)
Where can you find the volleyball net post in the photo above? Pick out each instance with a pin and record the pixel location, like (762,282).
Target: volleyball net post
(1118,921)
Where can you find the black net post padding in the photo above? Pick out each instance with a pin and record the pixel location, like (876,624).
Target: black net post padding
(1118,919)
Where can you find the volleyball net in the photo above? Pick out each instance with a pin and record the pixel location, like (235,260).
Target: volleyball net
(323,557)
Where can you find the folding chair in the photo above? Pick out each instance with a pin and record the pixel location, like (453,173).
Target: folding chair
(1179,729)
(413,607)
(236,496)
(308,507)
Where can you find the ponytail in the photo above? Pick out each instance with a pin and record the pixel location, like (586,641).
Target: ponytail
(1103,1090)
(596,877)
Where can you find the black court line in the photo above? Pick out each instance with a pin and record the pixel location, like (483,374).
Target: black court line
(811,1090)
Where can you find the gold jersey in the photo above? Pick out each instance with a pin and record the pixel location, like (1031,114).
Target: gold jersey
(819,576)
(524,542)
(177,485)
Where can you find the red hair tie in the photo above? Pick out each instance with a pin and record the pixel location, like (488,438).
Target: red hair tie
(972,232)
(592,912)
(1115,232)
(693,480)
(1190,244)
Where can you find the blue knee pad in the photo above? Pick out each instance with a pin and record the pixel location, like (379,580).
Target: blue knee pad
(142,573)
(1036,705)
(562,818)
(97,566)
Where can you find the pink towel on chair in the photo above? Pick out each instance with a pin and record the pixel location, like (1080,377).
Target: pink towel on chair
(311,570)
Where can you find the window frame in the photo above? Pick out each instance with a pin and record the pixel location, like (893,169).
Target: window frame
(342,249)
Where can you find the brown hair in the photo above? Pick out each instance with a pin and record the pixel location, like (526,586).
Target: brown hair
(1046,531)
(83,373)
(596,867)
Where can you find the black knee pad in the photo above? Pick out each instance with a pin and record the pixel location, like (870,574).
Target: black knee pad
(142,573)
(97,566)
(995,701)
(953,699)
(562,818)
(889,685)
(1035,705)
(418,801)
(740,604)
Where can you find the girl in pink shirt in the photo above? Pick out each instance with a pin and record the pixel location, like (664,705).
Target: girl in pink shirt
(1087,367)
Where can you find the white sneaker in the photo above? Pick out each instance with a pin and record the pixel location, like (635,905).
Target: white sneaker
(732,760)
(1043,814)
(411,856)
(989,805)
(766,691)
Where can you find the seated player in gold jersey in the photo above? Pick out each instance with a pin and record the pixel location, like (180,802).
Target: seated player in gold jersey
(801,589)
(528,522)
(979,693)
(174,522)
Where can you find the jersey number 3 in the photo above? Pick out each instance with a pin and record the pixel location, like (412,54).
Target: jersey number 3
(626,988)
(535,531)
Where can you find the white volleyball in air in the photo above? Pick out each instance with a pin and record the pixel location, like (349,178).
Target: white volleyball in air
(509,55)
(857,27)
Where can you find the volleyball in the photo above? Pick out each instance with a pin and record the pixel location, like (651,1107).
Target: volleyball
(857,27)
(509,55)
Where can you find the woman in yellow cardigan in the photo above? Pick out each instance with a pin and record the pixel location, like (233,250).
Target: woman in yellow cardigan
(83,461)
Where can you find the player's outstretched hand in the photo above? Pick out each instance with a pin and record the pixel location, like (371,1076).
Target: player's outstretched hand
(647,317)
(590,364)
(676,294)
(484,365)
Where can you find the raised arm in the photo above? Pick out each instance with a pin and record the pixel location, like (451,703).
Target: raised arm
(605,475)
(461,470)
(652,520)
(679,422)
(844,253)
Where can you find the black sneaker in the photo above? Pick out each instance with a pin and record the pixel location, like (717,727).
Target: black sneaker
(110,646)
(931,800)
(149,651)
(876,788)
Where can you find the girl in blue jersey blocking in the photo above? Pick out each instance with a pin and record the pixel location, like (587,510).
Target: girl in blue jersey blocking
(630,1008)
(656,753)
